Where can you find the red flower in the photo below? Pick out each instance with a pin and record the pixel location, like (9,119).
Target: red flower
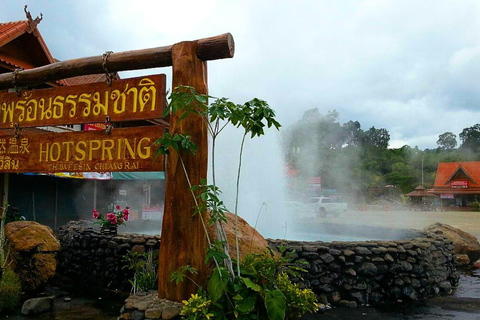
(115,218)
(112,218)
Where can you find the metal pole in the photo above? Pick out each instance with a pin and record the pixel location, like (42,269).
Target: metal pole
(422,171)
(6,179)
(33,206)
(94,194)
(56,203)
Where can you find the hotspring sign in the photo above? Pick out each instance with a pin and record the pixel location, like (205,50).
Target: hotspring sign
(126,149)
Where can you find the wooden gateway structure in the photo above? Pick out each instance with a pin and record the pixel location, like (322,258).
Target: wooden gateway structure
(129,149)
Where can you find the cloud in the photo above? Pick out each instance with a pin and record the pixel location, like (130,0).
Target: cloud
(408,66)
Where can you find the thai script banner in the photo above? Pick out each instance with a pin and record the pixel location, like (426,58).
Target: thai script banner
(447,196)
(459,184)
(129,99)
(126,149)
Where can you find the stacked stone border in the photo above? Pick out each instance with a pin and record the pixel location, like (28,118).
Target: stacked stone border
(375,272)
(344,274)
(93,259)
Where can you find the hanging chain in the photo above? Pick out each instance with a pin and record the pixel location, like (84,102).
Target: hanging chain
(109,76)
(17,130)
(18,90)
(108,125)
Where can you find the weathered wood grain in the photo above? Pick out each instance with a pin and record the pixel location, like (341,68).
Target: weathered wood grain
(213,48)
(126,149)
(130,99)
(184,240)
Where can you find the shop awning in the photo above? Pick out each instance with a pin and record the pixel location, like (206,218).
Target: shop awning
(147,175)
(141,175)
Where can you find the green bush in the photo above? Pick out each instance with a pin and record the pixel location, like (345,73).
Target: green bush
(147,276)
(196,308)
(263,291)
(299,301)
(145,267)
(10,288)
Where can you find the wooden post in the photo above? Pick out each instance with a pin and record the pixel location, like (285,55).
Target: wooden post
(183,237)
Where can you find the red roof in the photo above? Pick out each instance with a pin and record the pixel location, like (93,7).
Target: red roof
(22,46)
(420,191)
(451,171)
(11,30)
(26,34)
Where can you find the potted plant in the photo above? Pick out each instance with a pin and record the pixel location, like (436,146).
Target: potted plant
(110,222)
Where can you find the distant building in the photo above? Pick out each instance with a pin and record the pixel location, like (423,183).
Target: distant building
(457,183)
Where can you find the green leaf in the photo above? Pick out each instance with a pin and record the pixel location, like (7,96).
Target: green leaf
(276,305)
(251,285)
(246,304)
(217,284)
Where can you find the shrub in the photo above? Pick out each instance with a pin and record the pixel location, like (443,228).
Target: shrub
(263,291)
(299,301)
(10,288)
(145,268)
(196,308)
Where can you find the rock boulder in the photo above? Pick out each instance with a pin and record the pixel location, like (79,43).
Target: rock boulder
(33,249)
(464,242)
(37,305)
(249,240)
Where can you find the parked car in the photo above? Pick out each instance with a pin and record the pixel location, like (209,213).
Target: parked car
(323,206)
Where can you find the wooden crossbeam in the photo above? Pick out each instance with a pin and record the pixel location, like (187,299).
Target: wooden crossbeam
(213,48)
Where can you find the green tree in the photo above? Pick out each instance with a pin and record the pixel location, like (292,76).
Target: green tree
(471,138)
(403,176)
(447,141)
(353,134)
(377,138)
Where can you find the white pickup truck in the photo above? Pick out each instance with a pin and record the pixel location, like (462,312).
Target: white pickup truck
(325,205)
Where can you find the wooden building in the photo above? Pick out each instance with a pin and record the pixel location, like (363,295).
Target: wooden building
(49,199)
(457,183)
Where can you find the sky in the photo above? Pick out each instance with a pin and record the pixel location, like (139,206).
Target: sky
(407,66)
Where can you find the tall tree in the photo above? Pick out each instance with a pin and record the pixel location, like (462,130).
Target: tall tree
(377,138)
(403,176)
(353,134)
(471,138)
(447,141)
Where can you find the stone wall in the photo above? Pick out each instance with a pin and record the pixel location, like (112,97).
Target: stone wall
(92,258)
(376,272)
(340,273)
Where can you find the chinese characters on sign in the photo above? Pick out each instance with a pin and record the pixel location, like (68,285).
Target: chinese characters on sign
(9,149)
(127,149)
(95,104)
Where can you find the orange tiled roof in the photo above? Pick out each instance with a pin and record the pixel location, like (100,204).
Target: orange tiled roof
(9,31)
(447,170)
